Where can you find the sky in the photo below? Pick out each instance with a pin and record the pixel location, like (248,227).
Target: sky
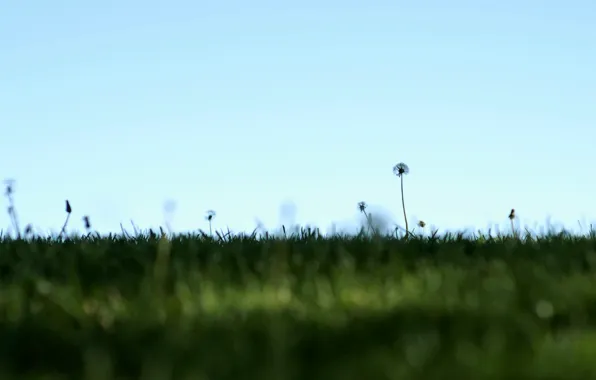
(290,112)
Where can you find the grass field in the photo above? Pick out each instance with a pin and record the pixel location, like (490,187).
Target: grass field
(301,307)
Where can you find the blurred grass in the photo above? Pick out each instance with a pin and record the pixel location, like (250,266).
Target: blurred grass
(304,307)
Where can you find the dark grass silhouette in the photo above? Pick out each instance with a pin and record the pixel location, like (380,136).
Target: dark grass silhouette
(296,305)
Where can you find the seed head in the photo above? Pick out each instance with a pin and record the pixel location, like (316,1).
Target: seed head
(512,214)
(210,215)
(68,208)
(28,229)
(9,186)
(421,224)
(401,169)
(86,222)
(362,206)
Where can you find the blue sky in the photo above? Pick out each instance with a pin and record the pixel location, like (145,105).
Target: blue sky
(284,112)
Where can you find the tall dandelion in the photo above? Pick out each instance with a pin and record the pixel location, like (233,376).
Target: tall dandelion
(209,218)
(401,170)
(68,212)
(511,217)
(362,208)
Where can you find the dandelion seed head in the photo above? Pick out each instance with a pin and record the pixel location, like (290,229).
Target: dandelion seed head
(9,187)
(401,169)
(362,206)
(210,215)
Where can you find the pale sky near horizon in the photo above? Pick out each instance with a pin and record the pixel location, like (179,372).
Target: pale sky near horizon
(242,107)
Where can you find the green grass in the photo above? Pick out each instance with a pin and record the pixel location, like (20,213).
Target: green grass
(304,307)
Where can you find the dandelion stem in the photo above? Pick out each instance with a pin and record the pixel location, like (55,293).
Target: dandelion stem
(64,226)
(15,219)
(403,204)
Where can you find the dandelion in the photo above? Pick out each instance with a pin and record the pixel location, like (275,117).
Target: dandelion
(209,217)
(9,186)
(511,217)
(362,207)
(9,190)
(401,170)
(68,212)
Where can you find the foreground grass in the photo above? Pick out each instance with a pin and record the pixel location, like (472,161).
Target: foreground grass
(299,308)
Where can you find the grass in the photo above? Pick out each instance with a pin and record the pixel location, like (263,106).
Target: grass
(296,306)
(301,307)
